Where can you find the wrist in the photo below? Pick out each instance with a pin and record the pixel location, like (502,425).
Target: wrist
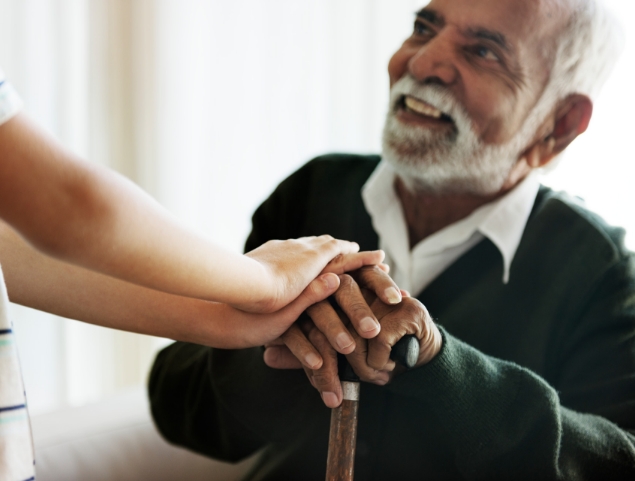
(260,289)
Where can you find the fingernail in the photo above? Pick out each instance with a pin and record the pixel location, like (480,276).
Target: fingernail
(367,324)
(330,280)
(343,340)
(312,360)
(393,295)
(330,399)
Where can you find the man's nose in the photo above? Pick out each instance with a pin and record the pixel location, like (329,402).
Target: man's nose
(435,62)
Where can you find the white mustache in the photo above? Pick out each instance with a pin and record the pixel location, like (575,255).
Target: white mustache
(435,95)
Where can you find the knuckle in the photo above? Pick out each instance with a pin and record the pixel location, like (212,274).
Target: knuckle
(411,311)
(376,364)
(323,378)
(381,343)
(317,337)
(324,320)
(373,269)
(292,337)
(314,309)
(346,281)
(370,274)
(358,309)
(412,307)
(368,374)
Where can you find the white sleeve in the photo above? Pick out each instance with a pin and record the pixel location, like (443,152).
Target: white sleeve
(10,102)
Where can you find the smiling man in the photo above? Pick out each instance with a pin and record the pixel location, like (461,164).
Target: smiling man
(524,301)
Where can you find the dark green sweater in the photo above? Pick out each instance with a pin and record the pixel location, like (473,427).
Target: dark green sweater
(535,380)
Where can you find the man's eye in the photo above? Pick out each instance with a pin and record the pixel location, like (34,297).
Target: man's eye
(421,29)
(486,53)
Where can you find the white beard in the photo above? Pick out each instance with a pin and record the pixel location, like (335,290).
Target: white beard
(458,162)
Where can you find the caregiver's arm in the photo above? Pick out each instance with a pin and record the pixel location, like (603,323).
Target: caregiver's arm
(38,281)
(93,217)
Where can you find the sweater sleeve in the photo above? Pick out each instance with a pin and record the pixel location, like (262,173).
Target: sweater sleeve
(227,404)
(503,421)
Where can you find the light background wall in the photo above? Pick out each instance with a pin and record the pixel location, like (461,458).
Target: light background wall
(208,104)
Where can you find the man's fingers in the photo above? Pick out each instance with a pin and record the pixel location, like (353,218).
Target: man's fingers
(350,262)
(329,323)
(350,299)
(357,360)
(410,317)
(375,279)
(280,357)
(325,379)
(302,349)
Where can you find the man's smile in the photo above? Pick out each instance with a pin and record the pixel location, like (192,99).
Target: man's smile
(412,109)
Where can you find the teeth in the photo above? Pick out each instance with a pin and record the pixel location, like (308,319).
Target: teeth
(422,108)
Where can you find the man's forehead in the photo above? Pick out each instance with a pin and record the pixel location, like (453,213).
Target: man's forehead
(514,20)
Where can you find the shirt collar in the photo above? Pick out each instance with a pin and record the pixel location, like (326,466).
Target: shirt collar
(501,221)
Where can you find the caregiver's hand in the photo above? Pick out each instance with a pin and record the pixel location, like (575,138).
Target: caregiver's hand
(287,268)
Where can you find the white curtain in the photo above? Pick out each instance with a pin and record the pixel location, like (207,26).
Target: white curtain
(208,104)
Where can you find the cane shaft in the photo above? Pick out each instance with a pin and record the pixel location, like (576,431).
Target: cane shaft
(343,437)
(342,440)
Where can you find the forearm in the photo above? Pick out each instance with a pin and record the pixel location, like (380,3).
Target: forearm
(95,218)
(501,420)
(40,282)
(44,283)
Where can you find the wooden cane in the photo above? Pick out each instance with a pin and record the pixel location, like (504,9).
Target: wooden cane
(343,436)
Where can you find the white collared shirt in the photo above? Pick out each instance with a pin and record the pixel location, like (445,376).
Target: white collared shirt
(501,221)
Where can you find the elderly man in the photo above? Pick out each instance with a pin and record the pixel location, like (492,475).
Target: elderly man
(528,370)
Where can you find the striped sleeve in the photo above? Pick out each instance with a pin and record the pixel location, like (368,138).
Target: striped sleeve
(10,102)
(16,445)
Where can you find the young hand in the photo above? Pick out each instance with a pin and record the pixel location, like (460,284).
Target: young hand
(289,266)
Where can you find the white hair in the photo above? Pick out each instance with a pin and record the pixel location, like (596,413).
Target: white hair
(584,55)
(586,51)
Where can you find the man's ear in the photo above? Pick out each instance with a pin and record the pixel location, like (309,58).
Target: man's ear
(571,118)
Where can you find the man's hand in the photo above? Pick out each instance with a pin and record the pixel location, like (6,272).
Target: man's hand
(311,340)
